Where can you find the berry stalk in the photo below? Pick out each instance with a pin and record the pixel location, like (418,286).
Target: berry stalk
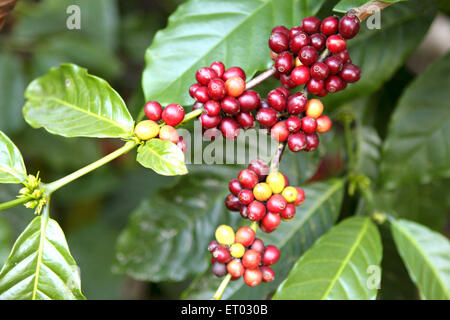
(260,78)
(13,203)
(221,289)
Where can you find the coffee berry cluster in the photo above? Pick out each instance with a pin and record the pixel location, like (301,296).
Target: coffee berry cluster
(315,54)
(242,254)
(265,198)
(161,123)
(227,105)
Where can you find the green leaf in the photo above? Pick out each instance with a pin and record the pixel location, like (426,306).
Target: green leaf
(381,52)
(426,255)
(68,101)
(5,240)
(314,218)
(40,266)
(167,235)
(12,168)
(368,145)
(203,31)
(336,267)
(345,5)
(12,85)
(417,148)
(163,157)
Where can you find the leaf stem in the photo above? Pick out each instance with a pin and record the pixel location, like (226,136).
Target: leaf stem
(13,203)
(52,187)
(260,78)
(222,287)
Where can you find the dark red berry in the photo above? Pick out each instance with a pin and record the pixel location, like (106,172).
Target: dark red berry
(293,123)
(267,273)
(312,141)
(318,41)
(246,196)
(334,64)
(286,81)
(173,114)
(281,29)
(197,105)
(248,179)
(300,196)
(333,84)
(252,277)
(271,255)
(344,55)
(329,26)
(277,100)
(319,71)
(284,62)
(309,124)
(294,31)
(267,117)
(235,187)
(350,73)
(212,108)
(234,72)
(258,245)
(194,88)
(265,103)
(256,211)
(232,203)
(336,43)
(182,144)
(246,120)
(276,203)
(249,100)
(251,259)
(243,212)
(218,67)
(297,142)
(221,254)
(279,131)
(153,110)
(308,55)
(289,212)
(259,167)
(311,24)
(230,105)
(201,94)
(212,245)
(298,41)
(296,103)
(209,122)
(216,89)
(279,42)
(211,134)
(219,269)
(322,93)
(315,86)
(284,91)
(349,26)
(205,75)
(270,222)
(300,75)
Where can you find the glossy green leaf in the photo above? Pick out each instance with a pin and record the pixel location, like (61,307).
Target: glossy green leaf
(40,266)
(315,217)
(203,31)
(345,5)
(5,240)
(12,168)
(337,266)
(381,52)
(368,145)
(68,101)
(163,157)
(420,153)
(167,235)
(426,255)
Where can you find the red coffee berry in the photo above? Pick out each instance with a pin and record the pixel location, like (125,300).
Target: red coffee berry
(279,131)
(211,134)
(315,86)
(293,124)
(193,88)
(243,212)
(300,75)
(216,89)
(276,203)
(209,122)
(300,196)
(278,42)
(349,26)
(234,186)
(294,31)
(344,55)
(201,94)
(173,114)
(286,81)
(323,124)
(334,64)
(284,91)
(256,210)
(218,67)
(249,100)
(204,75)
(230,105)
(296,103)
(245,236)
(308,55)
(197,105)
(350,73)
(267,117)
(219,269)
(246,196)
(234,72)
(311,24)
(297,142)
(259,167)
(235,86)
(312,141)
(235,268)
(277,100)
(271,255)
(281,29)
(258,245)
(232,203)
(248,179)
(252,277)
(153,110)
(336,43)
(264,103)
(289,212)
(309,124)
(251,259)
(322,93)
(182,144)
(221,254)
(333,84)
(212,108)
(318,41)
(270,222)
(284,62)
(320,71)
(329,26)
(267,273)
(298,41)
(212,245)
(245,120)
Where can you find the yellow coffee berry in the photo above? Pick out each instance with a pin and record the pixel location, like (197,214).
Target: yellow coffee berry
(276,182)
(225,235)
(262,191)
(146,130)
(290,194)
(237,250)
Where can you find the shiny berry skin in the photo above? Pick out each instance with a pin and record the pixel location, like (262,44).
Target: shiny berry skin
(262,191)
(276,203)
(229,128)
(205,75)
(258,245)
(232,203)
(259,167)
(286,81)
(235,268)
(311,24)
(308,55)
(290,194)
(237,250)
(245,236)
(246,196)
(349,26)
(276,182)
(248,179)
(300,75)
(322,93)
(249,100)
(234,72)
(246,120)
(278,42)
(243,212)
(323,124)
(350,73)
(173,114)
(230,105)
(209,122)
(267,117)
(169,133)
(201,94)
(235,86)
(212,245)
(333,84)
(329,26)
(294,31)
(216,89)
(219,269)
(288,213)
(256,211)
(334,64)
(211,134)
(319,71)
(344,55)
(312,141)
(271,255)
(318,41)
(221,254)
(146,130)
(212,108)
(251,259)
(281,29)
(297,142)
(153,110)
(314,108)
(182,144)
(194,88)
(300,196)
(293,124)
(336,43)
(225,235)
(218,67)
(298,41)
(252,277)
(277,100)
(279,131)
(197,105)
(309,124)
(270,222)
(296,103)
(267,273)
(315,86)
(284,62)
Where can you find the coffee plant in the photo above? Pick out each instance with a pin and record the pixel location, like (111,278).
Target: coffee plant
(346,205)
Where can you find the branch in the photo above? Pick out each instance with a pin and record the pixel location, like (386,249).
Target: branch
(260,78)
(6,6)
(369,9)
(13,203)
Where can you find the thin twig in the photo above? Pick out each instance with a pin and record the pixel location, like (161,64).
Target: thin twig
(260,78)
(368,9)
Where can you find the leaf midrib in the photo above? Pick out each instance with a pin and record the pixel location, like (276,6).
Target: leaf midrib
(12,172)
(43,227)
